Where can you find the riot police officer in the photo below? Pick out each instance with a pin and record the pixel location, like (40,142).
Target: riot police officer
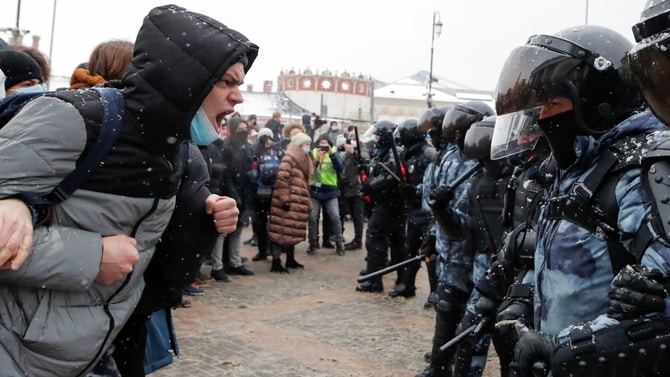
(478,217)
(504,292)
(600,214)
(418,155)
(386,226)
(430,123)
(454,266)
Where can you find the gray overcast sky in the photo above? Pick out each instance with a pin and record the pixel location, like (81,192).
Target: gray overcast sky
(388,39)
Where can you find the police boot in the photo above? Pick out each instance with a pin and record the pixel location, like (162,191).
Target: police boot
(406,287)
(375,284)
(364,270)
(433,371)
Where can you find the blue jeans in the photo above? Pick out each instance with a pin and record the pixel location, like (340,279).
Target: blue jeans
(333,210)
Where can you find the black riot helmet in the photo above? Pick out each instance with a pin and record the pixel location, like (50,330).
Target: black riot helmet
(408,132)
(649,60)
(384,129)
(583,64)
(430,122)
(477,140)
(458,120)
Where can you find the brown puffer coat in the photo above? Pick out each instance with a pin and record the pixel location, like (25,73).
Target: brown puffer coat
(295,171)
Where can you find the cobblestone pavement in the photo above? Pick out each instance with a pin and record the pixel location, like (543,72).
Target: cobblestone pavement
(310,322)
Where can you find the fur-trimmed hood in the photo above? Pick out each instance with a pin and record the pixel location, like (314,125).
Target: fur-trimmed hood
(286,133)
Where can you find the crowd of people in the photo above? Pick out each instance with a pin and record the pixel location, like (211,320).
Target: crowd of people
(542,223)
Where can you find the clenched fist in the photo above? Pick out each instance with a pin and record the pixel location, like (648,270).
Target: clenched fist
(224,211)
(119,253)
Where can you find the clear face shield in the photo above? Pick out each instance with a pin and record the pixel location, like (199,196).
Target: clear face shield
(515,133)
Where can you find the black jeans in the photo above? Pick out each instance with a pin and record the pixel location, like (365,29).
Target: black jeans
(260,223)
(354,206)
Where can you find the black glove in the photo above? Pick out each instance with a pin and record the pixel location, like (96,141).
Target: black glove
(428,246)
(286,205)
(495,281)
(441,196)
(533,348)
(635,291)
(486,307)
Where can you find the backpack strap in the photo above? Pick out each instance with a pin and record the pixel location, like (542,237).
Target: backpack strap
(114,109)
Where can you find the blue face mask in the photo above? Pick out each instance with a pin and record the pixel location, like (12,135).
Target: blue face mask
(202,131)
(31,89)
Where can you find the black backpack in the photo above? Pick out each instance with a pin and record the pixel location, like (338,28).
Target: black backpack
(114,109)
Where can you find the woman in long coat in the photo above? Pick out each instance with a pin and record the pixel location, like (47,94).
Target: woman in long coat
(291,202)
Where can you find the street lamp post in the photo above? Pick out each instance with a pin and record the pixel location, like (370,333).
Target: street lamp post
(437,29)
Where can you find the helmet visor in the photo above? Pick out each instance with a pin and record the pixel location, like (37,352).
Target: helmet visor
(427,120)
(515,133)
(650,64)
(458,119)
(531,76)
(477,142)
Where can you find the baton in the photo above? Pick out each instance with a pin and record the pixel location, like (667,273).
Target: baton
(388,170)
(390,269)
(458,180)
(459,337)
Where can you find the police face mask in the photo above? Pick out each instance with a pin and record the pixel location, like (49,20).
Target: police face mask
(561,132)
(202,131)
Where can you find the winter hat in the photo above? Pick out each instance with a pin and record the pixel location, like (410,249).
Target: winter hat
(233,124)
(19,66)
(266,132)
(300,138)
(324,137)
(250,117)
(340,141)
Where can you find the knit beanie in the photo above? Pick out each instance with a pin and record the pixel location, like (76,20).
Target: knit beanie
(326,138)
(18,67)
(300,138)
(266,132)
(340,141)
